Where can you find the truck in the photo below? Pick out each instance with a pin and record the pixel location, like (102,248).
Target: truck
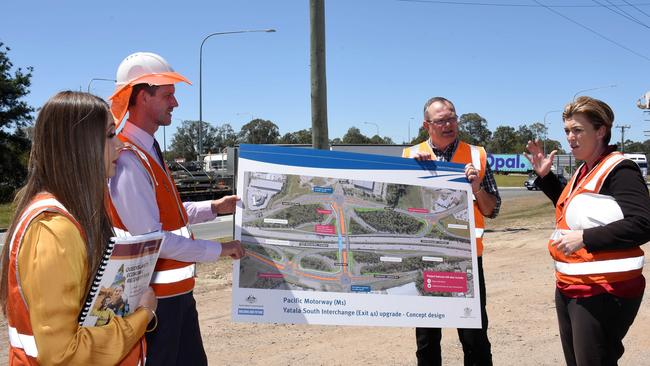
(215,162)
(641,160)
(196,184)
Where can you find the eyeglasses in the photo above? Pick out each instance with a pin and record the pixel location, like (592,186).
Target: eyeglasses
(443,122)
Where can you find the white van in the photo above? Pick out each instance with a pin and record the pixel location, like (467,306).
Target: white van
(641,161)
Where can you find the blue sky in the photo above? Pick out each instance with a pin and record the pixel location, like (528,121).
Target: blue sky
(385,58)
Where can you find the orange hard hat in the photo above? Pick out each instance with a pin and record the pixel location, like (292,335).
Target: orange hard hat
(140,68)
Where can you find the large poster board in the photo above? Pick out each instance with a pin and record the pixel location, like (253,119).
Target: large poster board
(353,239)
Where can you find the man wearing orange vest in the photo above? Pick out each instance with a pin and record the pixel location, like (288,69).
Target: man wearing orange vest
(441,122)
(144,199)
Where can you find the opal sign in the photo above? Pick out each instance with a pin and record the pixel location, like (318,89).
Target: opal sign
(509,163)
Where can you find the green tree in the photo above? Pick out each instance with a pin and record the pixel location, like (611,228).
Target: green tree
(15,116)
(259,131)
(423,135)
(635,147)
(524,134)
(354,136)
(298,137)
(225,136)
(378,140)
(554,145)
(472,128)
(504,140)
(539,130)
(535,131)
(185,140)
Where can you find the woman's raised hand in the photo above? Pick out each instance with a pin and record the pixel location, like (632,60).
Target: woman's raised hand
(541,164)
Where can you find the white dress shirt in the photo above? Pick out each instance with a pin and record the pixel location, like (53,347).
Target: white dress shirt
(134,198)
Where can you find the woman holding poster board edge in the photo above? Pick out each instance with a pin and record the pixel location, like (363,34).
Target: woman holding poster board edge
(602,219)
(56,240)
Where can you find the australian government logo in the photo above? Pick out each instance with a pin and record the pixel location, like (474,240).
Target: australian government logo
(250,308)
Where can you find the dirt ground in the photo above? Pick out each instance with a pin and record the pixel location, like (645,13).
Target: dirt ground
(520,286)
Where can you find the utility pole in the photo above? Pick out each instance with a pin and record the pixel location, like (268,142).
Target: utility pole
(319,137)
(623,127)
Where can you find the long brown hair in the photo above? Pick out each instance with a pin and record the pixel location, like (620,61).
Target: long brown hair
(67,160)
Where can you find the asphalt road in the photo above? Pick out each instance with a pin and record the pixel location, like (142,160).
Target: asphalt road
(220,227)
(513,192)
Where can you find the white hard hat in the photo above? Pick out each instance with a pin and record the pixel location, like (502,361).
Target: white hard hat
(588,210)
(140,68)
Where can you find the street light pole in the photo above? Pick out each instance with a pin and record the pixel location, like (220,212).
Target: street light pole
(590,89)
(201,76)
(102,79)
(376,126)
(546,127)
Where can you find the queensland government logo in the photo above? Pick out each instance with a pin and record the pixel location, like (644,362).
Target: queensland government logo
(251,299)
(468,312)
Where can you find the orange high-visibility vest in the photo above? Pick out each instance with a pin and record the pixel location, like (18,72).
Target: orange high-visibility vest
(22,344)
(170,277)
(582,267)
(464,154)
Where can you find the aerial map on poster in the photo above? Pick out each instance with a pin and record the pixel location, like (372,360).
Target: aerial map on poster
(353,239)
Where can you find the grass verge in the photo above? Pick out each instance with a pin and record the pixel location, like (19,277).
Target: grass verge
(535,207)
(510,180)
(6,213)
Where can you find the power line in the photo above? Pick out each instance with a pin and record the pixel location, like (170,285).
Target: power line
(593,31)
(621,12)
(637,9)
(551,9)
(466,3)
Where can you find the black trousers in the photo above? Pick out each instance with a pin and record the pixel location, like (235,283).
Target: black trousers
(592,328)
(475,342)
(177,338)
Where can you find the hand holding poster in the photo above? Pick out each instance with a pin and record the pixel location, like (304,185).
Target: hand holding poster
(354,239)
(122,278)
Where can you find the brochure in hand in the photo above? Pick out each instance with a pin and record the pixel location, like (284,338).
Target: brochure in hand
(121,279)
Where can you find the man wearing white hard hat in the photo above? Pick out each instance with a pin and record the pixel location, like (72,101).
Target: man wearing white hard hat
(144,199)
